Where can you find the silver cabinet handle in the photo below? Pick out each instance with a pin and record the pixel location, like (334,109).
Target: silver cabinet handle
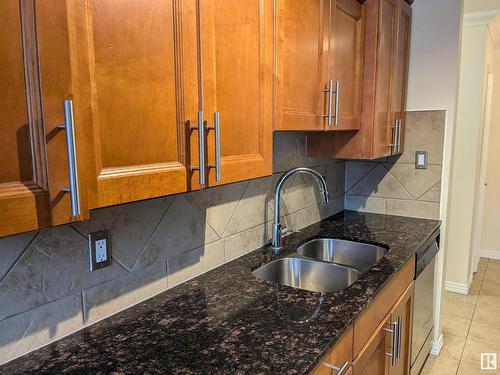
(69,127)
(398,124)
(338,371)
(329,90)
(217,146)
(337,95)
(394,338)
(394,144)
(398,347)
(201,147)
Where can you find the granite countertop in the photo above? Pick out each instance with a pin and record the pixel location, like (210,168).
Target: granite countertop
(228,322)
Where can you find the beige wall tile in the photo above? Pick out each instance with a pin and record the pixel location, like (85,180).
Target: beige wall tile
(246,241)
(433,194)
(424,132)
(356,170)
(130,226)
(366,204)
(379,183)
(181,229)
(11,249)
(195,262)
(415,181)
(35,328)
(118,294)
(218,204)
(286,150)
(427,210)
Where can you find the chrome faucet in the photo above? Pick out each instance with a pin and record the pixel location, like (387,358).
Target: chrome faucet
(277,228)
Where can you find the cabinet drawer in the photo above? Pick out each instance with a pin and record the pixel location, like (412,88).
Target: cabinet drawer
(338,355)
(366,324)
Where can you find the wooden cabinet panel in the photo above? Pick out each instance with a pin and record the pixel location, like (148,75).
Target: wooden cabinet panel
(236,62)
(345,60)
(302,48)
(385,66)
(372,359)
(400,75)
(338,355)
(136,128)
(403,311)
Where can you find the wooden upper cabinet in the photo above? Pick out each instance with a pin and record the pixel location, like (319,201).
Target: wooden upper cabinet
(385,69)
(126,78)
(34,168)
(237,76)
(301,57)
(400,77)
(345,62)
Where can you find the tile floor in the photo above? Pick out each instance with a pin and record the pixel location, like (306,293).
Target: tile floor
(471,325)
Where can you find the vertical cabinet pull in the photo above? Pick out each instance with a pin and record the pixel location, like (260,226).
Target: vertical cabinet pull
(217,146)
(329,90)
(337,95)
(394,331)
(201,148)
(69,127)
(338,370)
(398,347)
(398,125)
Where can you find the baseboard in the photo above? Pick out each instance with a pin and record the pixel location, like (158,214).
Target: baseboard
(490,254)
(437,346)
(456,287)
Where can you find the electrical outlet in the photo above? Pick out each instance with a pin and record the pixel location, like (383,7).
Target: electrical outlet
(99,250)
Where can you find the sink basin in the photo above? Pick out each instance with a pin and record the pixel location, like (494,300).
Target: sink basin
(307,274)
(361,256)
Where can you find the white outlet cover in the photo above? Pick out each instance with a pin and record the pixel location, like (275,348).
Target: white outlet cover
(100,251)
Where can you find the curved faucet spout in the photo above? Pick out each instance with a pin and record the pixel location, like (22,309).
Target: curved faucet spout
(276,244)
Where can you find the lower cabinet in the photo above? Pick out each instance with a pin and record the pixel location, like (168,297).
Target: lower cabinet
(379,341)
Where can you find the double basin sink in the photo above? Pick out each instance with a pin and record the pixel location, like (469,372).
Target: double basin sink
(322,265)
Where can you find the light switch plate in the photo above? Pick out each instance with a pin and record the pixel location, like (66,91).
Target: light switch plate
(99,250)
(421,159)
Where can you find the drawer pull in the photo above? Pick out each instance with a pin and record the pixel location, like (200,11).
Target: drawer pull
(338,370)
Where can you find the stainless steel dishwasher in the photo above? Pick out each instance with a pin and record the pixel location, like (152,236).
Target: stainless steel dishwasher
(423,303)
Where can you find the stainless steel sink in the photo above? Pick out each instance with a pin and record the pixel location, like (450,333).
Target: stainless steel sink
(307,274)
(361,256)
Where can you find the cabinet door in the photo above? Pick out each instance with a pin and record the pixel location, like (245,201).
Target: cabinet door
(387,31)
(129,49)
(402,313)
(345,62)
(24,197)
(302,48)
(236,66)
(400,77)
(372,359)
(337,357)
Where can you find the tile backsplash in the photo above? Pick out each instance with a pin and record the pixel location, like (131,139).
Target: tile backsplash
(47,290)
(393,185)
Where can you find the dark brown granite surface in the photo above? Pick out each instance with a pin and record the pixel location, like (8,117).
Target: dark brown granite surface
(228,322)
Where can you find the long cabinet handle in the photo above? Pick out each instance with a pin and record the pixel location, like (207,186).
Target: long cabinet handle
(394,339)
(69,127)
(201,148)
(337,96)
(329,90)
(338,370)
(217,146)
(394,144)
(398,347)
(398,124)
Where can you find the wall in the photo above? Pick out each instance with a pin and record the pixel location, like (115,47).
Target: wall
(490,241)
(433,85)
(393,185)
(47,290)
(468,139)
